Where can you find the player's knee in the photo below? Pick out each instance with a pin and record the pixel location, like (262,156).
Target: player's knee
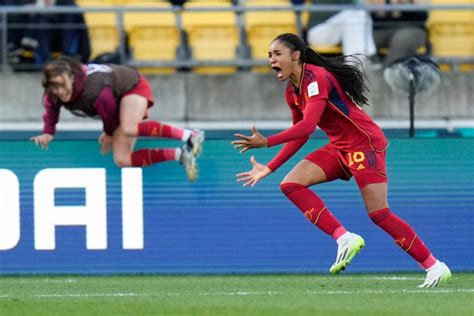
(380,215)
(122,161)
(290,187)
(130,131)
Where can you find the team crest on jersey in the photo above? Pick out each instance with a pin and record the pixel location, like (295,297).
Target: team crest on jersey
(313,89)
(92,68)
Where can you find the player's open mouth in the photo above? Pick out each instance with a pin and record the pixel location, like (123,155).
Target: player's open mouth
(277,70)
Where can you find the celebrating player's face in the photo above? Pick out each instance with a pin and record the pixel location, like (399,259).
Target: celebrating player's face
(280,58)
(61,87)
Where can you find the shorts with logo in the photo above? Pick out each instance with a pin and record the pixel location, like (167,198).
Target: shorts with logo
(366,165)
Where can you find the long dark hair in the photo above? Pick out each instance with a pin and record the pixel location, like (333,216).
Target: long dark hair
(349,76)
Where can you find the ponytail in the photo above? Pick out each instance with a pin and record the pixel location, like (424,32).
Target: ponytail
(349,75)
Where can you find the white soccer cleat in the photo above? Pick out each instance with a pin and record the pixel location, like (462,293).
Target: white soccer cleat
(195,141)
(438,273)
(349,245)
(188,160)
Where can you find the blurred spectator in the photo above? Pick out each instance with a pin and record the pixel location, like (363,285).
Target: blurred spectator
(177,2)
(20,30)
(402,33)
(65,33)
(352,29)
(2,3)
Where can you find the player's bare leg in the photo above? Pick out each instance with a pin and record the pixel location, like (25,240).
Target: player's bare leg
(132,110)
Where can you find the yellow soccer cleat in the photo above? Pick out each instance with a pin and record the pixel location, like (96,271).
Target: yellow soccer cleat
(349,245)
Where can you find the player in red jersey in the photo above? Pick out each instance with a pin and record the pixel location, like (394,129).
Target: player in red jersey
(327,92)
(120,97)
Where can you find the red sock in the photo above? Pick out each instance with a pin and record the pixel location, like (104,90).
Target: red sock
(147,157)
(157,129)
(313,208)
(404,236)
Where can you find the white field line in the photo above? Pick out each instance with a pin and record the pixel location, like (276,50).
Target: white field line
(26,281)
(246,293)
(336,278)
(53,281)
(92,295)
(395,278)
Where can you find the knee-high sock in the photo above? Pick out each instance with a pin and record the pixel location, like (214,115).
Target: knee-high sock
(147,157)
(158,129)
(404,235)
(313,208)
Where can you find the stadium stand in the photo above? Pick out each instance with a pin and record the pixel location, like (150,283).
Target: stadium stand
(139,2)
(84,3)
(451,34)
(263,26)
(152,36)
(103,32)
(210,1)
(217,35)
(212,35)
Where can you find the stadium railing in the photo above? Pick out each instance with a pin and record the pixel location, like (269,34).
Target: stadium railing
(244,58)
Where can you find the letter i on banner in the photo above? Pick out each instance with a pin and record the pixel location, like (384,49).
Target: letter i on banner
(132,208)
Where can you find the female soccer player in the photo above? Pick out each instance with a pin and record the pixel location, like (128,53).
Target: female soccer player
(327,92)
(120,97)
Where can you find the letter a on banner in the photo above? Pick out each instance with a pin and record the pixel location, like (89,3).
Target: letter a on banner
(93,214)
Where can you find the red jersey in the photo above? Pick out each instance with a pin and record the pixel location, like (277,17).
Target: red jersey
(321,101)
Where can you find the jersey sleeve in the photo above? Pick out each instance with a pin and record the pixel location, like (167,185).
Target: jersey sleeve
(317,92)
(288,150)
(107,108)
(50,116)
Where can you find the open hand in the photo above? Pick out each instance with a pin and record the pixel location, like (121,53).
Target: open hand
(42,140)
(105,142)
(245,142)
(257,173)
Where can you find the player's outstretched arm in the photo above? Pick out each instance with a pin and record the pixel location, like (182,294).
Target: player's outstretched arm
(257,173)
(42,140)
(245,142)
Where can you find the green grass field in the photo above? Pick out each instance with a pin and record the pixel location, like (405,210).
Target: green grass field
(356,294)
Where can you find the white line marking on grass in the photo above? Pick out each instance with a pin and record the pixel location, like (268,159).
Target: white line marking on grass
(272,293)
(28,281)
(240,293)
(57,281)
(79,295)
(394,291)
(93,295)
(245,293)
(397,278)
(361,277)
